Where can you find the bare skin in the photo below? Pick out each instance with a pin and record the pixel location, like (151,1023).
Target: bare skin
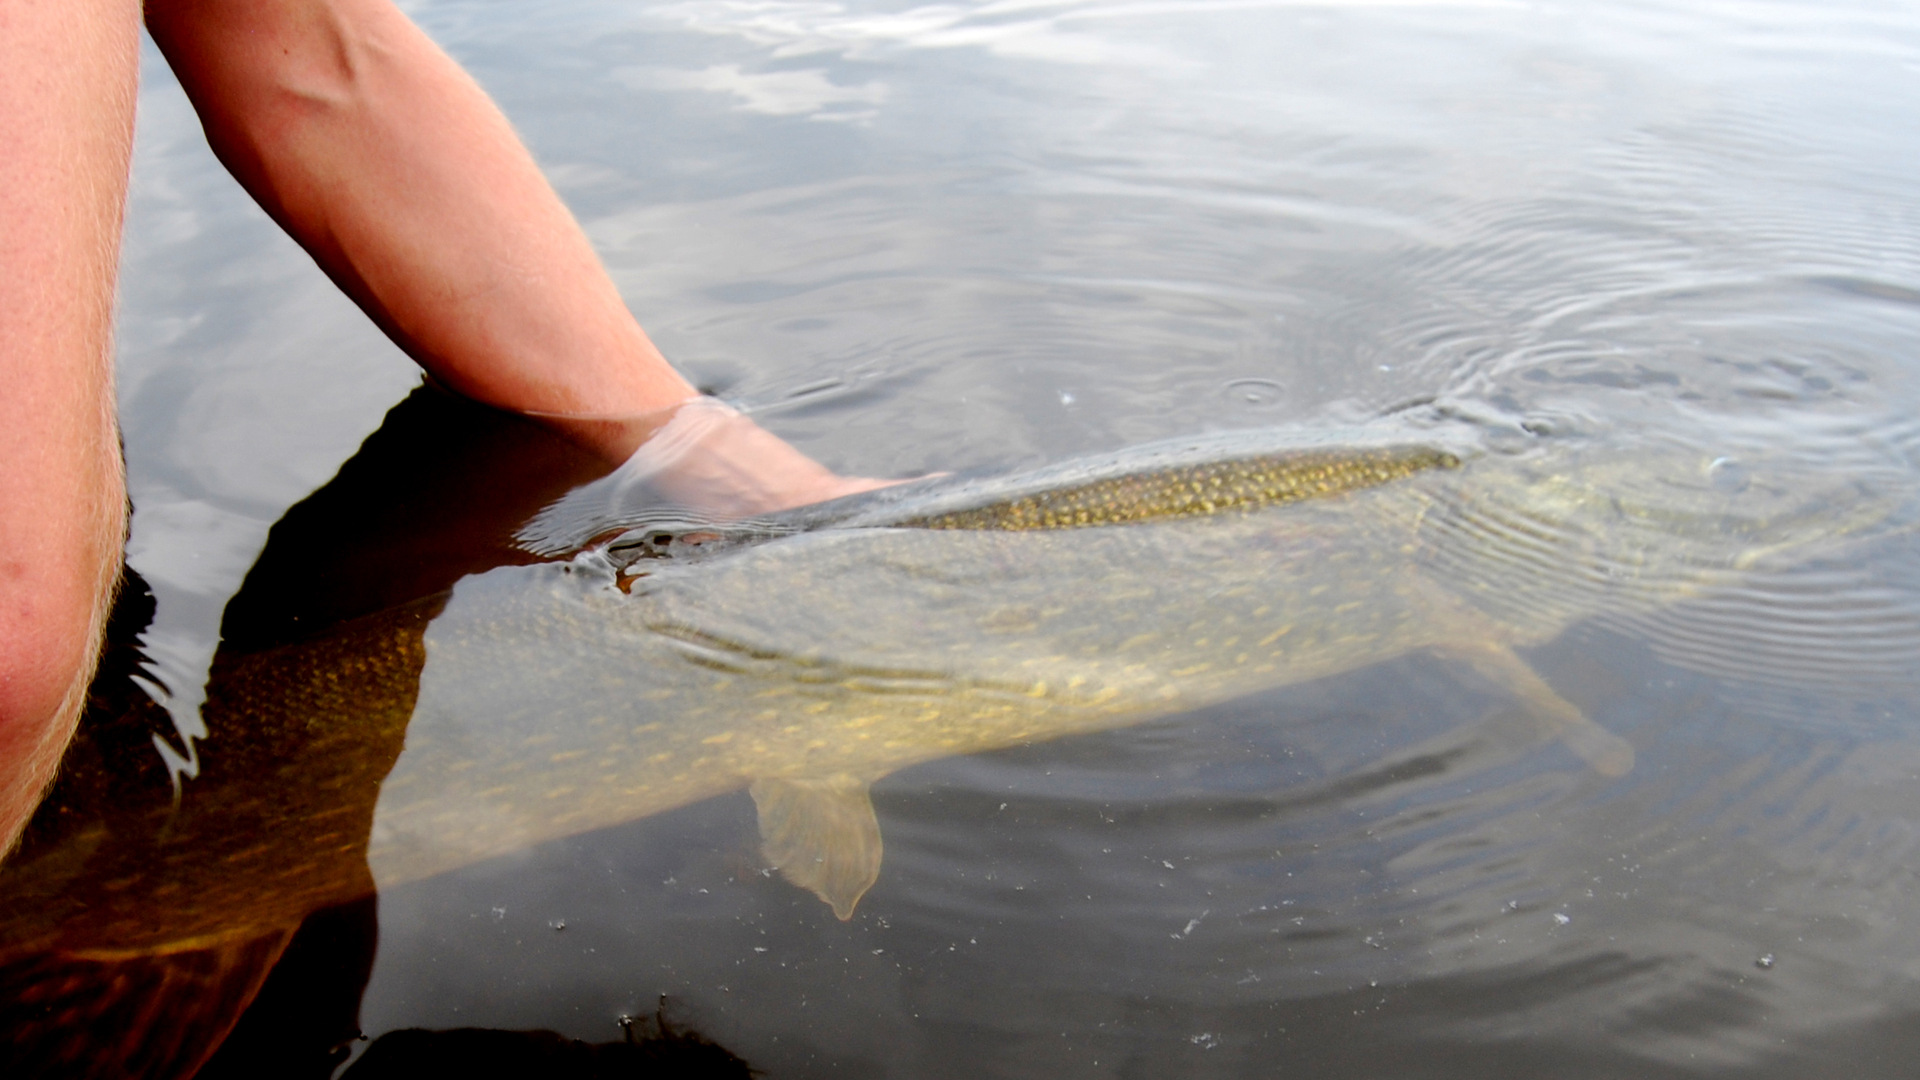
(393,169)
(67,76)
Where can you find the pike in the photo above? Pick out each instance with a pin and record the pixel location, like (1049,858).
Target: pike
(804,657)
(913,626)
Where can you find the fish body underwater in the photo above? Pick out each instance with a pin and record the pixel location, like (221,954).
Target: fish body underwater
(562,698)
(844,643)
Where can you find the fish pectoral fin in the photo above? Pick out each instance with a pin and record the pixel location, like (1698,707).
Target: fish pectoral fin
(820,833)
(1607,753)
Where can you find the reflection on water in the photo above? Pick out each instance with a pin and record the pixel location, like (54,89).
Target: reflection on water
(1676,241)
(132,895)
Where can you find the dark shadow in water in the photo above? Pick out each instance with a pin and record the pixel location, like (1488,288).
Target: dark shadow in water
(665,1051)
(306,1018)
(143,927)
(435,494)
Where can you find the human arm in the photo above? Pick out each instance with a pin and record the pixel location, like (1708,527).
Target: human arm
(377,153)
(390,165)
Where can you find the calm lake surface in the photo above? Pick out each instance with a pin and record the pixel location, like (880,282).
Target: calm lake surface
(993,236)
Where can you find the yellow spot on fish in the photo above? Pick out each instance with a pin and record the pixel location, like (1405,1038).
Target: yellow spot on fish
(1187,491)
(1275,636)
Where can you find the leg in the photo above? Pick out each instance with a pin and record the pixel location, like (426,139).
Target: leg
(68,70)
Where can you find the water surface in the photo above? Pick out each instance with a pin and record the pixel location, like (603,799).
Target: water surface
(999,235)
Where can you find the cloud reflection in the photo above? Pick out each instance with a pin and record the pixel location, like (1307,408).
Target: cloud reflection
(1030,29)
(806,92)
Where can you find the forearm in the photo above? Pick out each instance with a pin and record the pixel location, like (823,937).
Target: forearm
(408,187)
(67,72)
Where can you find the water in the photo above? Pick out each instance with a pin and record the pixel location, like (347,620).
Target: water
(995,236)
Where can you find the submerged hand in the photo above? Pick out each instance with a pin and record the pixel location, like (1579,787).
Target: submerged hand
(709,458)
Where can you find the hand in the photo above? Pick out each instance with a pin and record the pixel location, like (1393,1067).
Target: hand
(707,457)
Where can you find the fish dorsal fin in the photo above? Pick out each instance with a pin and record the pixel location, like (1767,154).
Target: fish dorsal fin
(821,834)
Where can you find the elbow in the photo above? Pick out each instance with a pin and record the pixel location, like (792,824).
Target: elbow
(254,71)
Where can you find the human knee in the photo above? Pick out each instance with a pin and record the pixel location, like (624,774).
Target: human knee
(51,621)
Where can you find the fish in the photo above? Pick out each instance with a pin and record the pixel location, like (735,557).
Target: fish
(913,625)
(808,656)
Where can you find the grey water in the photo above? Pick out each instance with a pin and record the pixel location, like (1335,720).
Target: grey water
(914,238)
